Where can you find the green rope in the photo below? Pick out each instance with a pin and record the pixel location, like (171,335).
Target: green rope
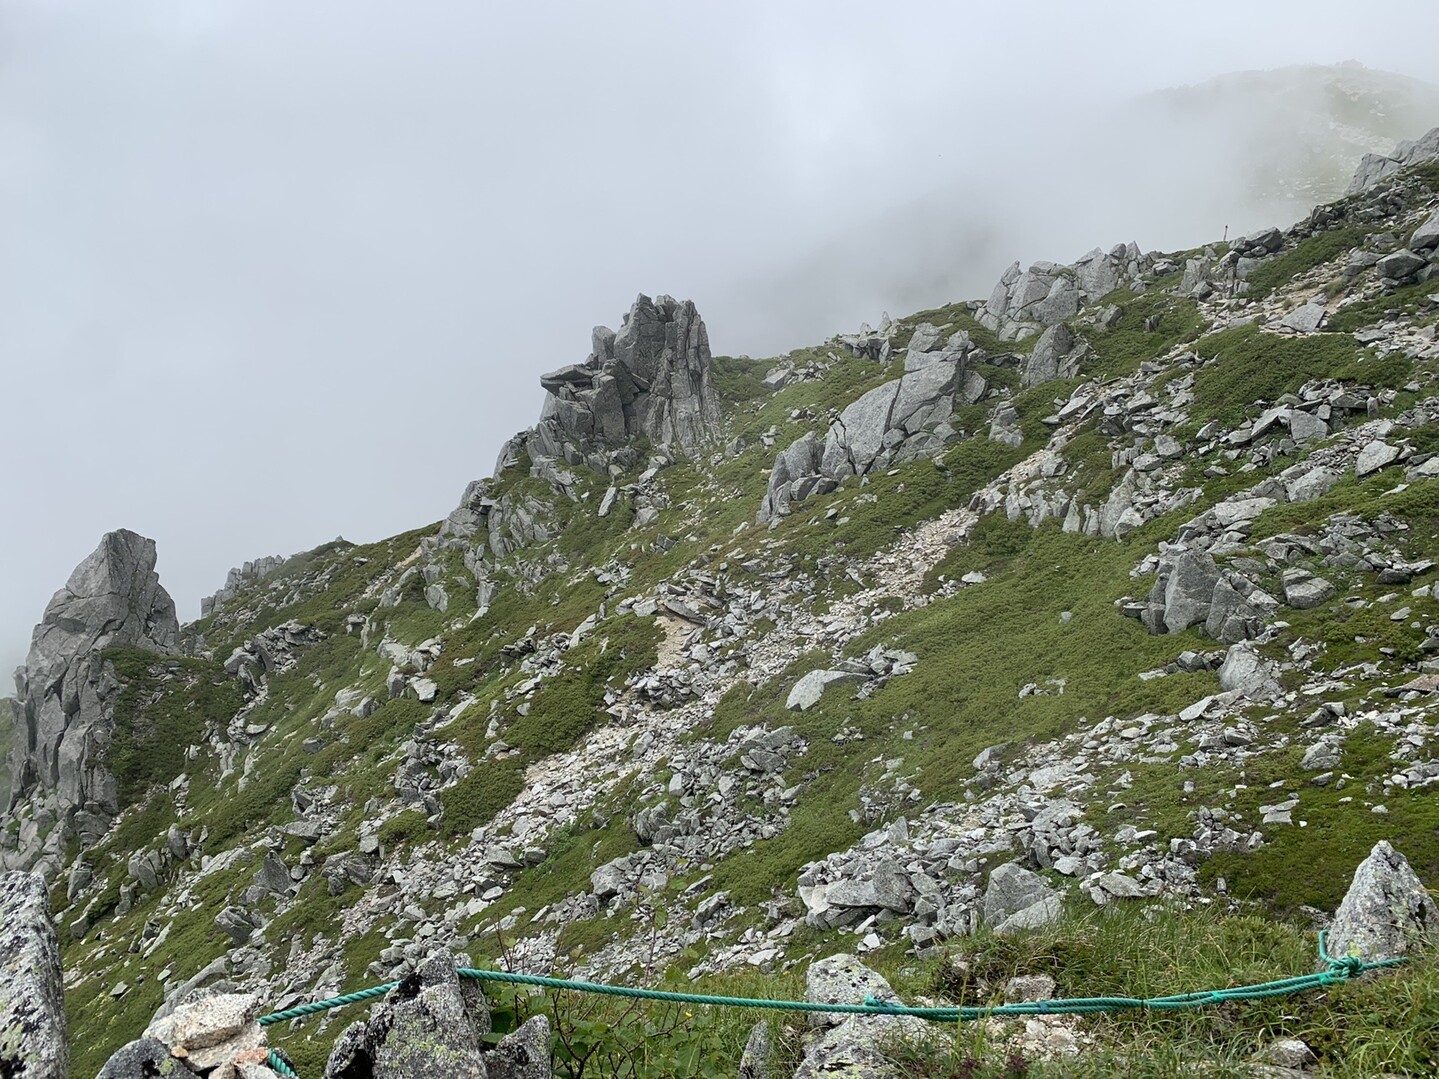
(325,1005)
(1340,969)
(278,1064)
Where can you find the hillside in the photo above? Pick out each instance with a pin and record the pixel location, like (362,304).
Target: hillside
(1244,150)
(1121,578)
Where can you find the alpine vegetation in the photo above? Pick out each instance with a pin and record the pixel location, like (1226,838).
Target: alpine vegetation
(911,691)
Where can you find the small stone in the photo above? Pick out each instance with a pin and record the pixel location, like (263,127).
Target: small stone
(1029,987)
(1286,1053)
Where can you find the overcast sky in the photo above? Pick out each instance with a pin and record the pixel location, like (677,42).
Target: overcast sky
(274,271)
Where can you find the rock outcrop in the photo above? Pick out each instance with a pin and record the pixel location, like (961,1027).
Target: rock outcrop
(32,998)
(238,578)
(65,696)
(904,419)
(213,1034)
(1192,590)
(1386,913)
(1376,167)
(1024,302)
(432,1026)
(852,1045)
(651,379)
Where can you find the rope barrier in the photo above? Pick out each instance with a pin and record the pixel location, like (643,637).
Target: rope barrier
(1338,969)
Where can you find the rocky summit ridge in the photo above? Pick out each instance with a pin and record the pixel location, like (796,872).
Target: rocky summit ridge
(1038,625)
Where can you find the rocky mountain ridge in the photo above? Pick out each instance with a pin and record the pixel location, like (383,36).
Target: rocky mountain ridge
(1099,596)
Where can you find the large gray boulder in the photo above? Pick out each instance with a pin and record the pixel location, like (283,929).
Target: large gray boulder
(1386,912)
(1400,264)
(1013,889)
(899,421)
(1184,596)
(650,379)
(1190,589)
(1426,236)
(1245,671)
(524,1053)
(810,688)
(1025,301)
(793,477)
(144,1058)
(65,694)
(1056,355)
(853,1046)
(428,1027)
(32,996)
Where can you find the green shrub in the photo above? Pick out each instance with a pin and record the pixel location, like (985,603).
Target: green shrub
(476,799)
(572,702)
(1251,365)
(1310,252)
(402,828)
(1128,344)
(164,709)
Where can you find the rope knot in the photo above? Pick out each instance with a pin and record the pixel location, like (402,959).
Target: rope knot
(1347,966)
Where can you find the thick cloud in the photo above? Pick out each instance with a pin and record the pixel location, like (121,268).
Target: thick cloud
(276,271)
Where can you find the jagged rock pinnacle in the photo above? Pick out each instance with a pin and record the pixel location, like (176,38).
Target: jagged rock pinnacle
(113,597)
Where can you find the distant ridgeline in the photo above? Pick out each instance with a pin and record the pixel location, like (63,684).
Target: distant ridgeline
(1112,591)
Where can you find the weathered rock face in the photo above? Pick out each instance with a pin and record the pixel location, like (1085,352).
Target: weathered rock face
(1057,354)
(1386,911)
(213,1033)
(1376,167)
(428,1028)
(238,578)
(1191,590)
(902,420)
(852,1045)
(1025,301)
(113,598)
(650,380)
(32,1000)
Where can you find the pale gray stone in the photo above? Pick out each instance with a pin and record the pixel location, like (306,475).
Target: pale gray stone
(112,598)
(1306,318)
(32,998)
(1373,457)
(1011,889)
(843,979)
(1400,264)
(1245,671)
(1035,916)
(1386,912)
(1305,591)
(756,1062)
(211,1029)
(1051,357)
(1312,484)
(1374,168)
(808,690)
(1286,1053)
(1426,236)
(1189,591)
(855,1046)
(428,1027)
(524,1053)
(144,1058)
(1306,427)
